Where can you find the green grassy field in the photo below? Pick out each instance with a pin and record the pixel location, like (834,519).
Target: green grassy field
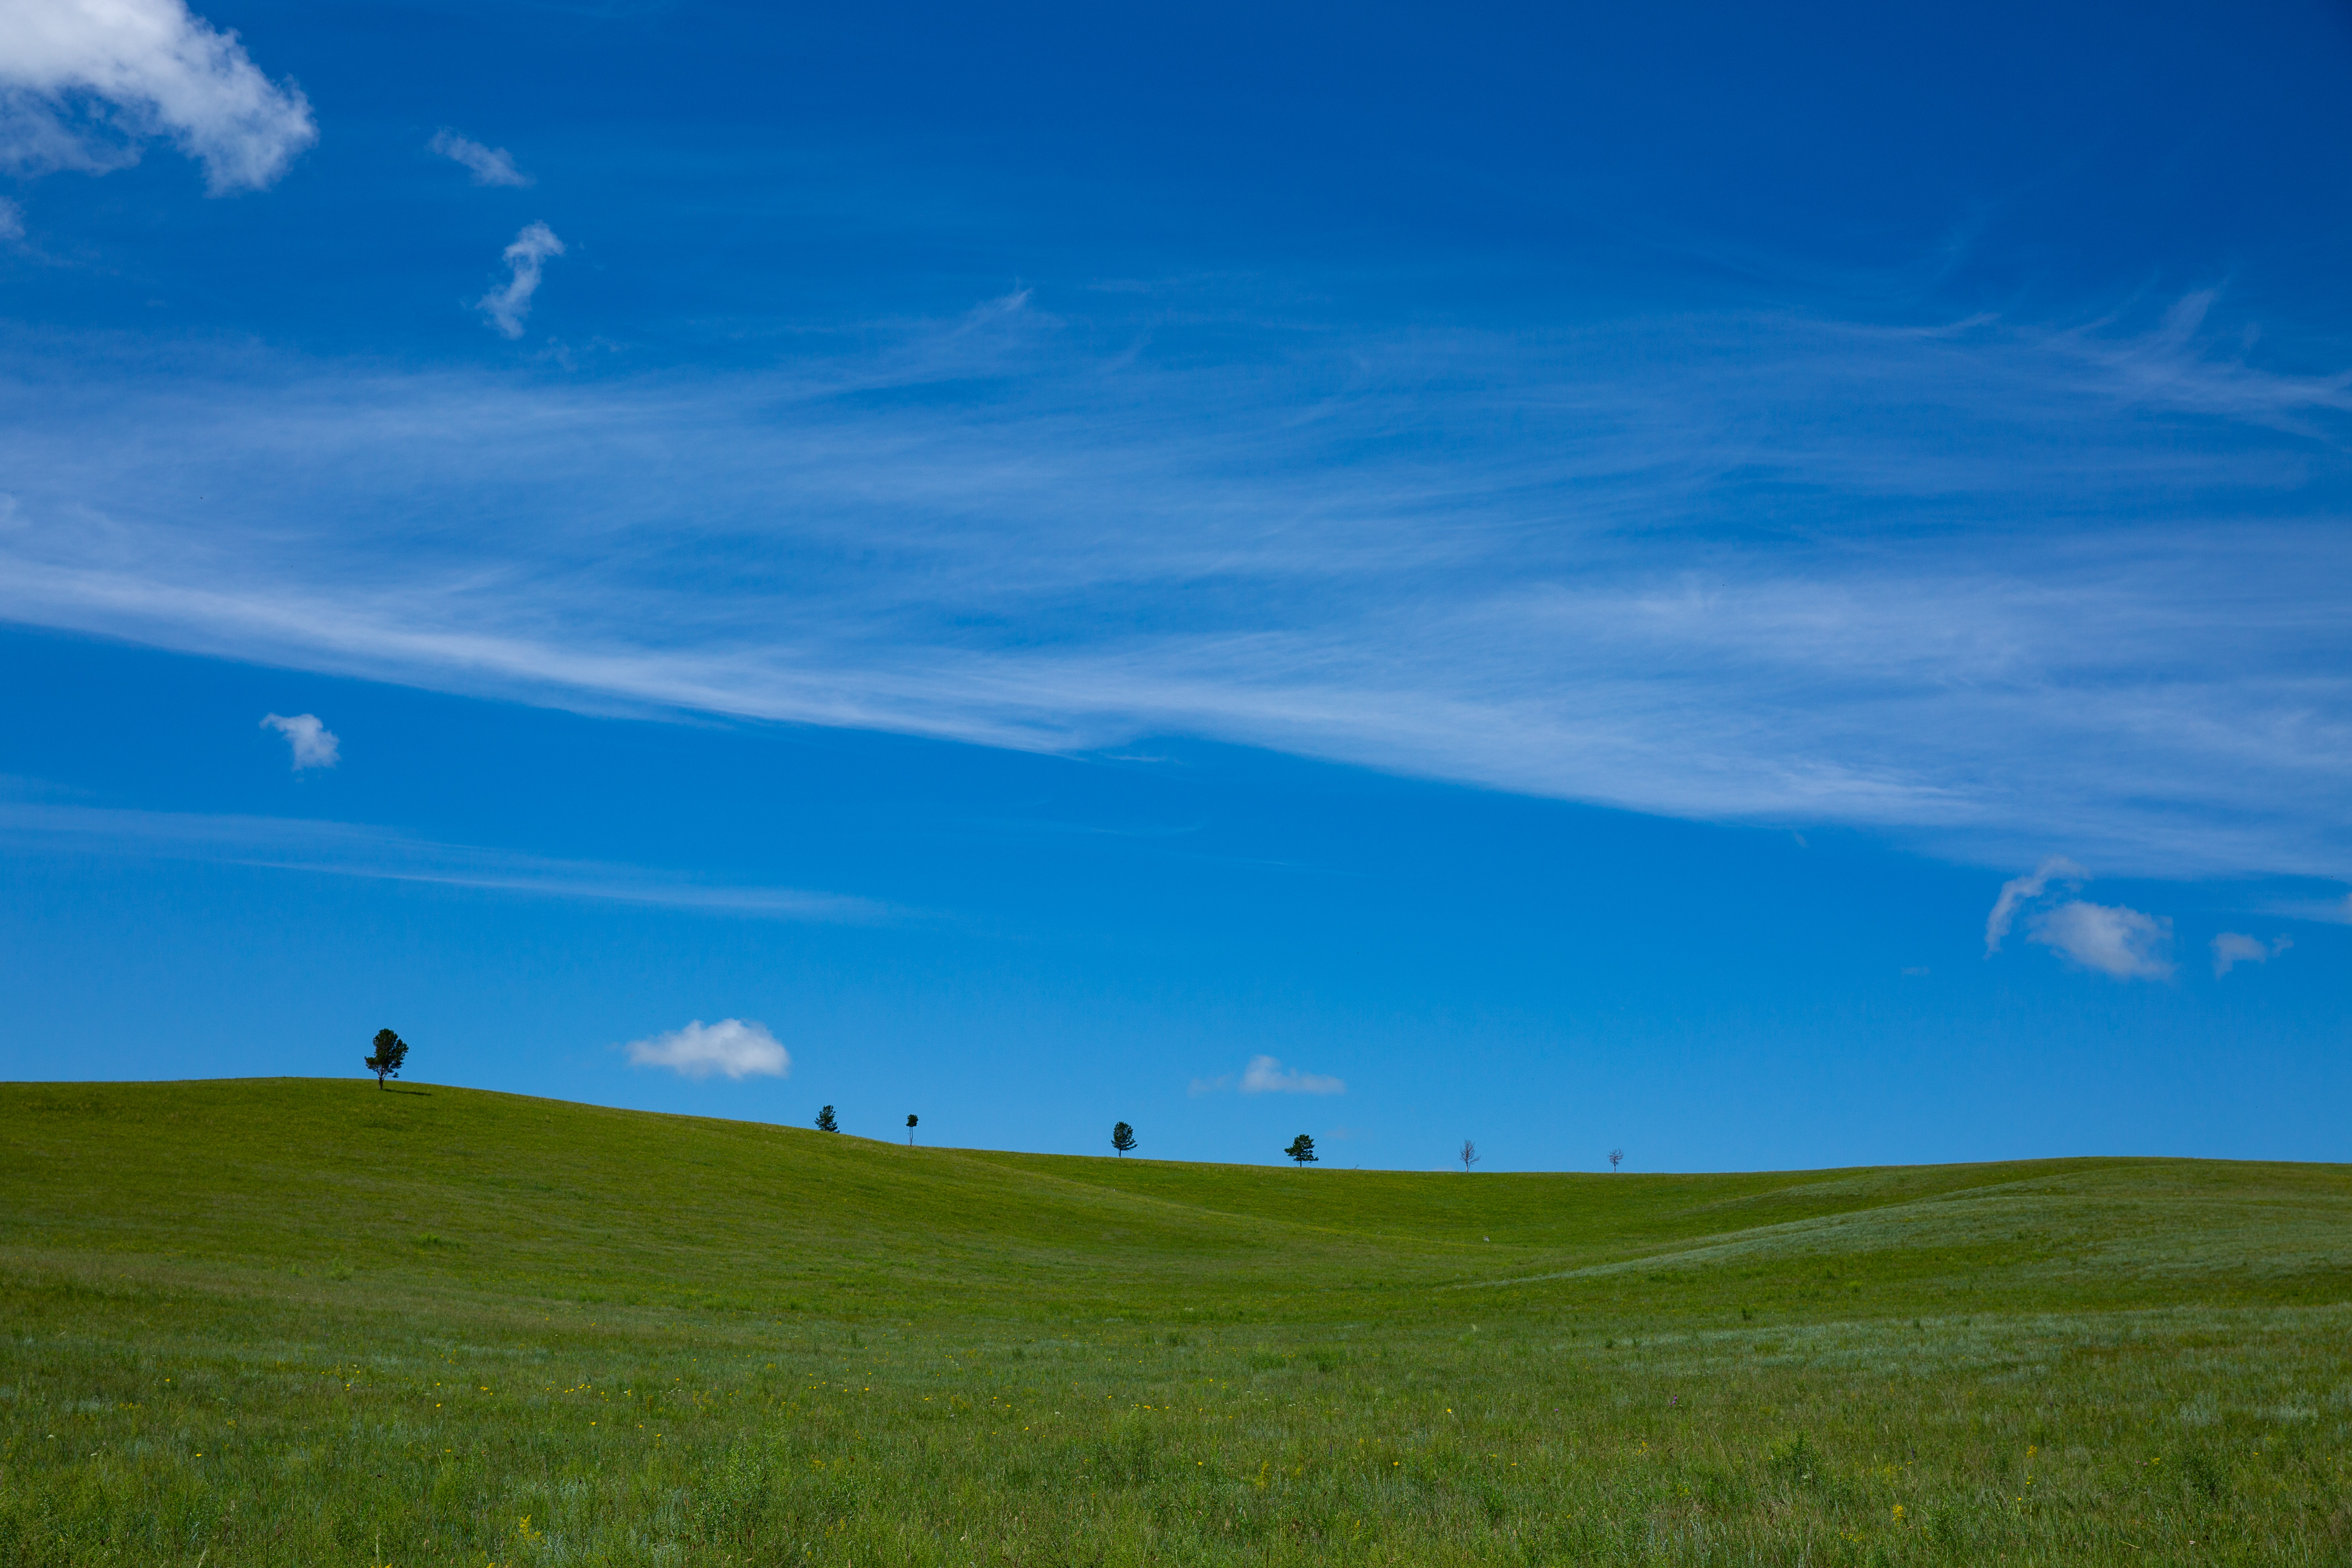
(291,1321)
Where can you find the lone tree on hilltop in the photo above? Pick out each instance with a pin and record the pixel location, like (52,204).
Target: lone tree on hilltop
(1469,1155)
(1616,1158)
(1302,1149)
(910,1130)
(1122,1136)
(825,1121)
(391,1050)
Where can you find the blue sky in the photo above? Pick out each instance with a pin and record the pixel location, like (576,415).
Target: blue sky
(1759,590)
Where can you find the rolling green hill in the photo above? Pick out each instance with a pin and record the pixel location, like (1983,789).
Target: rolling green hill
(414,1306)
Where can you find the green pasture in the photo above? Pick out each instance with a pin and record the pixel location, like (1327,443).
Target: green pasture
(303,1322)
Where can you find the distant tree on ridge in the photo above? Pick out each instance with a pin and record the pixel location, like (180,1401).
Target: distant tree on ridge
(910,1130)
(391,1050)
(825,1121)
(1122,1136)
(1616,1158)
(1469,1155)
(1302,1149)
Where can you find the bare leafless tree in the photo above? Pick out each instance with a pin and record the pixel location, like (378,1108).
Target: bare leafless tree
(1469,1154)
(1616,1158)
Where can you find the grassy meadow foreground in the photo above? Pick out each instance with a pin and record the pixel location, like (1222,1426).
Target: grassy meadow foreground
(302,1323)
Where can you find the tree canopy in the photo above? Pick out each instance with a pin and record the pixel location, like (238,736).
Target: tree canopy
(391,1050)
(1302,1149)
(1122,1137)
(825,1121)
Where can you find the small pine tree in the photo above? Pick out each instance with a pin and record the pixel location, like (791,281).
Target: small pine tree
(910,1130)
(1302,1149)
(1616,1158)
(1122,1137)
(391,1050)
(825,1121)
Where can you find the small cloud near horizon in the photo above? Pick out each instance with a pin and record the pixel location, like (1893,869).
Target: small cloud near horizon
(315,745)
(488,166)
(1265,1075)
(732,1046)
(2232,948)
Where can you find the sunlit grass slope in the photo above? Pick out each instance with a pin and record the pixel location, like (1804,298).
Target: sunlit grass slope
(297,1322)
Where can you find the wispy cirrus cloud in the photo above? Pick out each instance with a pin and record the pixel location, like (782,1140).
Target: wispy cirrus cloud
(84,82)
(1986,588)
(2019,892)
(508,307)
(2233,948)
(488,166)
(376,854)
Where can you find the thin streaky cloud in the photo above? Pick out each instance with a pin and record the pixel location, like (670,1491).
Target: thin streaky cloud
(2034,628)
(348,850)
(2330,910)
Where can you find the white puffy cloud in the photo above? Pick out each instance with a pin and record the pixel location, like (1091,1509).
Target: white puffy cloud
(490,165)
(1265,1075)
(315,745)
(732,1046)
(2112,940)
(12,221)
(83,82)
(2234,948)
(507,307)
(2019,891)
